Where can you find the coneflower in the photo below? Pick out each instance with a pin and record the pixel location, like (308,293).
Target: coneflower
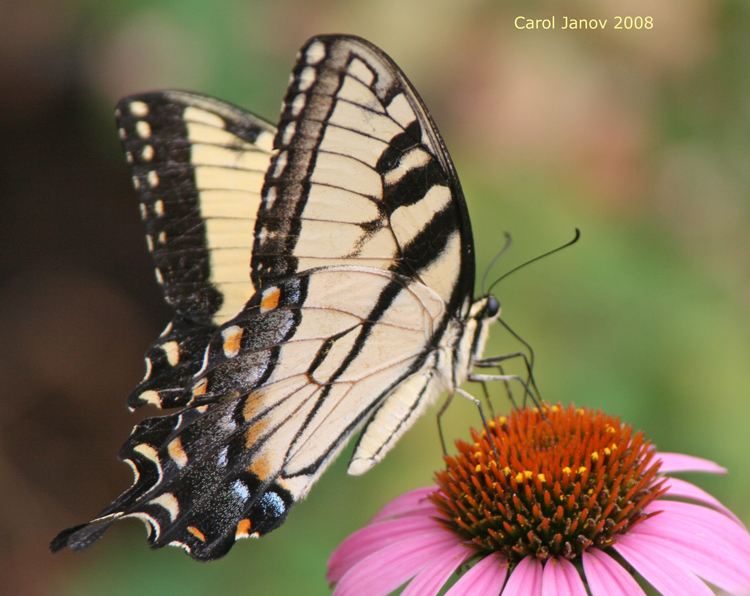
(551,503)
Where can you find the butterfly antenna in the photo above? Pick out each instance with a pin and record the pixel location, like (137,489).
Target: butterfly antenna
(522,265)
(506,246)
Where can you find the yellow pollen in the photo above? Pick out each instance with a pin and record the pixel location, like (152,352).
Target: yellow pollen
(506,471)
(581,470)
(566,470)
(503,420)
(611,430)
(478,468)
(607,451)
(491,424)
(614,447)
(529,474)
(594,456)
(541,478)
(519,478)
(478,454)
(555,409)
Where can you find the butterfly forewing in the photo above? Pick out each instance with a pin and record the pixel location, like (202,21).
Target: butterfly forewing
(361,177)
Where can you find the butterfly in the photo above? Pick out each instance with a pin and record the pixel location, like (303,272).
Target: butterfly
(322,276)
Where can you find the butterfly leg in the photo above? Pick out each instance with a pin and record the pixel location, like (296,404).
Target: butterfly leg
(494,362)
(440,413)
(505,378)
(487,396)
(478,404)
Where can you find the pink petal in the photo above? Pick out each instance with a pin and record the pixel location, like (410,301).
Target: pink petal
(702,520)
(707,558)
(699,547)
(525,579)
(372,538)
(429,581)
(678,462)
(414,500)
(684,490)
(560,578)
(659,568)
(381,573)
(486,577)
(606,577)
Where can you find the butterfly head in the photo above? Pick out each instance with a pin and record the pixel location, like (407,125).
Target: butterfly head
(492,308)
(483,313)
(485,310)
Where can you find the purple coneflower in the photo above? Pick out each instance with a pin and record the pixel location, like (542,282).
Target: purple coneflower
(564,501)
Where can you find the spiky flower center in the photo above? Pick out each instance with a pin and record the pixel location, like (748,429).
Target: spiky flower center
(553,485)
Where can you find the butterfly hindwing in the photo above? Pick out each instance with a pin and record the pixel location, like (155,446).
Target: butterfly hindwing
(284,389)
(192,489)
(171,363)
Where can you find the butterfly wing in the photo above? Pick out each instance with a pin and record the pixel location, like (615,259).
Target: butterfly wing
(361,255)
(198,166)
(361,176)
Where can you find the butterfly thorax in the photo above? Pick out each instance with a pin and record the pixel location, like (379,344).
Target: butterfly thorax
(464,340)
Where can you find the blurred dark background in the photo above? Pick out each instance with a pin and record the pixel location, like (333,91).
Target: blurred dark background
(641,138)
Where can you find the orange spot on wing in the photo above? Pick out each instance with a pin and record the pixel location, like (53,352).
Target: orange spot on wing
(253,405)
(177,453)
(197,533)
(232,337)
(270,299)
(200,387)
(254,432)
(243,529)
(262,467)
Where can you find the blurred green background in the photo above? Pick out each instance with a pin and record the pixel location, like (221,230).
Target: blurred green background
(641,138)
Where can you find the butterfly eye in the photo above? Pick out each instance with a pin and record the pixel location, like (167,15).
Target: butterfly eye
(493,306)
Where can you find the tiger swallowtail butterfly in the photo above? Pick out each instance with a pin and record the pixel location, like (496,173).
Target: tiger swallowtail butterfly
(322,276)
